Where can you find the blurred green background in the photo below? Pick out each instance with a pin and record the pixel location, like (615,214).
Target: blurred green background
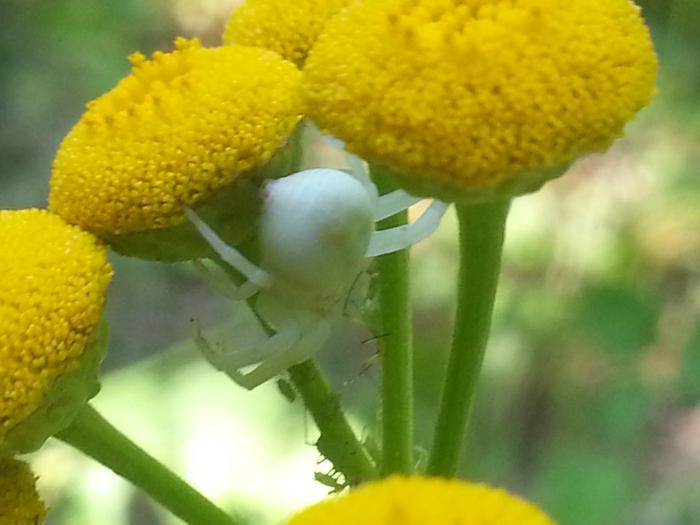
(590,399)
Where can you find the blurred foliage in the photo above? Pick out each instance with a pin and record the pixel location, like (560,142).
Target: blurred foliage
(590,399)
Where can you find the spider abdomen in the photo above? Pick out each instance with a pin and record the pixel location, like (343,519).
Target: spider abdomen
(314,231)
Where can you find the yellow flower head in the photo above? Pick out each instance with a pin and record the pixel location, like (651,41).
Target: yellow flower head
(52,290)
(466,98)
(19,501)
(422,501)
(180,127)
(288,27)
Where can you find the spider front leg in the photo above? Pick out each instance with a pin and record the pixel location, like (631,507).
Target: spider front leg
(385,205)
(402,237)
(391,203)
(257,277)
(218,281)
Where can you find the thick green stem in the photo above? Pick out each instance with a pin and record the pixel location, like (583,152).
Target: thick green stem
(337,441)
(482,230)
(96,437)
(396,350)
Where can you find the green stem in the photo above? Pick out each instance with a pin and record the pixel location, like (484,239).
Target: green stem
(96,437)
(482,230)
(396,349)
(337,442)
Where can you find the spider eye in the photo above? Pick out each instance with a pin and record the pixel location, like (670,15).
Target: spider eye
(315,229)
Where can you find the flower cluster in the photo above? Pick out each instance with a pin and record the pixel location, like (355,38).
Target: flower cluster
(55,278)
(459,99)
(53,289)
(465,98)
(180,127)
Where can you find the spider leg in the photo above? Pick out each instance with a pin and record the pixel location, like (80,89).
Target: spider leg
(300,350)
(358,170)
(387,204)
(257,276)
(223,285)
(402,237)
(250,355)
(394,202)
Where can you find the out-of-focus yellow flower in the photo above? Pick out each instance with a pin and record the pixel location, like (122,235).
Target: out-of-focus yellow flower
(288,27)
(19,502)
(180,127)
(469,98)
(422,501)
(52,291)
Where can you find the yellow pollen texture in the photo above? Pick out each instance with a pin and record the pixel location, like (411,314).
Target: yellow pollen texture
(466,94)
(52,290)
(19,501)
(179,127)
(422,501)
(288,27)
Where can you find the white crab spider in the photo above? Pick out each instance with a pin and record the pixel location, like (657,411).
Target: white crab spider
(317,229)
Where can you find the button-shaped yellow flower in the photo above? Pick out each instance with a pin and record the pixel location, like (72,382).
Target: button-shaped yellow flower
(19,502)
(289,28)
(423,501)
(468,98)
(181,127)
(52,291)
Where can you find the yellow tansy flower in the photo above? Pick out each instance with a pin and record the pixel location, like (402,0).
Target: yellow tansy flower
(19,502)
(467,98)
(177,129)
(288,27)
(422,501)
(52,291)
